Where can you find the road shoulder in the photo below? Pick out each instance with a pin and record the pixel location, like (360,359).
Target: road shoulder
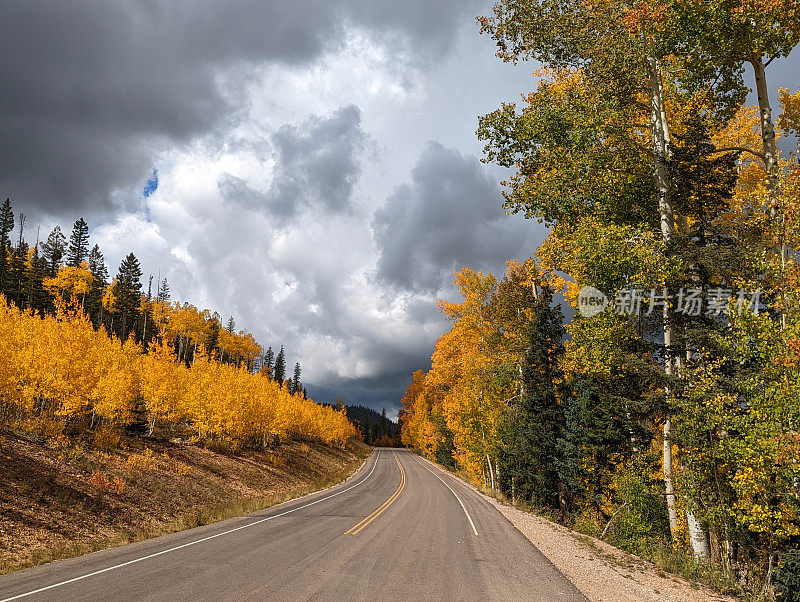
(600,571)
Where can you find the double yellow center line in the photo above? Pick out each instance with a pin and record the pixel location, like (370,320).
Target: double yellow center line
(363,523)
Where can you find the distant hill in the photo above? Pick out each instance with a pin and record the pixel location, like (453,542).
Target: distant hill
(374,426)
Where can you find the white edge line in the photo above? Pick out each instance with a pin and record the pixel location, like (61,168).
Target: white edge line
(191,543)
(469,518)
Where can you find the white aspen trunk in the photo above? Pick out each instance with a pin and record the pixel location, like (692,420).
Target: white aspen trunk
(770,150)
(660,134)
(697,536)
(491,472)
(767,132)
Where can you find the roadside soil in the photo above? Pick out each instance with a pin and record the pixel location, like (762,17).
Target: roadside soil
(62,502)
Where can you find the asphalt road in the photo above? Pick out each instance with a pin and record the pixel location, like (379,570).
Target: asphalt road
(399,529)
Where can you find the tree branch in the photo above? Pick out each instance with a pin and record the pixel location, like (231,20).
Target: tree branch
(741,149)
(610,520)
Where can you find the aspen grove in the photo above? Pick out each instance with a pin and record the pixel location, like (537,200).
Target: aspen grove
(83,357)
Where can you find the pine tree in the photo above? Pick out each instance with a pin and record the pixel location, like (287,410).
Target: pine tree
(6,228)
(212,345)
(384,427)
(535,424)
(78,243)
(35,295)
(97,266)
(163,294)
(296,386)
(128,290)
(280,367)
(231,326)
(17,272)
(269,363)
(53,250)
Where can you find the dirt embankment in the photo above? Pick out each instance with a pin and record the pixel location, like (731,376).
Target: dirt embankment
(57,503)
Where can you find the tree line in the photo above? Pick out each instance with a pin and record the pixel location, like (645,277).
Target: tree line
(85,357)
(41,276)
(668,418)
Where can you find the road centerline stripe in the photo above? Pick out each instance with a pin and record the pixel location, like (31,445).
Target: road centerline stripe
(191,543)
(378,511)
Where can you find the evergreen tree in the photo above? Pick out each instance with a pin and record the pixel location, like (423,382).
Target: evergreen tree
(280,367)
(305,393)
(93,303)
(384,426)
(53,250)
(97,266)
(17,272)
(128,291)
(78,243)
(535,423)
(231,327)
(163,294)
(35,295)
(269,363)
(296,386)
(213,329)
(6,228)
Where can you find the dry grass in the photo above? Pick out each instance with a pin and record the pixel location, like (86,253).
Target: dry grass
(57,503)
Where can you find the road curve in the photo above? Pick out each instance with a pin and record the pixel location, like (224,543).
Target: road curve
(399,529)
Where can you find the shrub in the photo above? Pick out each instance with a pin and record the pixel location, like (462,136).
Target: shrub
(642,517)
(105,484)
(787,577)
(142,462)
(106,438)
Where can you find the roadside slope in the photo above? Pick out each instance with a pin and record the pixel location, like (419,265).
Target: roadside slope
(63,502)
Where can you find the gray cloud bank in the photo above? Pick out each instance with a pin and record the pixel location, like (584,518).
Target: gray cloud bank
(92,88)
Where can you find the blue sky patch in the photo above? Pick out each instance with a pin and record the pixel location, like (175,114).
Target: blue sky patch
(151,185)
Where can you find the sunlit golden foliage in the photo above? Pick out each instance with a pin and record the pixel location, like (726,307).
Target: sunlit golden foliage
(58,368)
(461,394)
(70,282)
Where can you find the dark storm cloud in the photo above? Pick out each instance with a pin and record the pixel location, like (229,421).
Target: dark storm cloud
(317,164)
(385,389)
(448,216)
(92,90)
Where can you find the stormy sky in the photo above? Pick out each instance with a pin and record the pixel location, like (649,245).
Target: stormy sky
(309,168)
